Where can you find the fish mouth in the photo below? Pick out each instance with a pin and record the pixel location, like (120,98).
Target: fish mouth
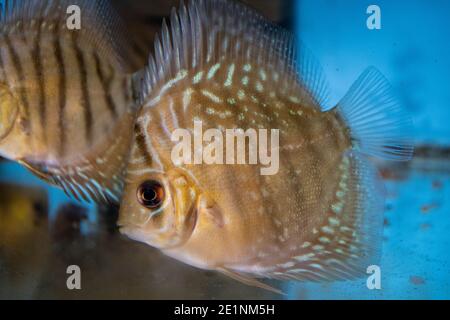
(134,233)
(126,227)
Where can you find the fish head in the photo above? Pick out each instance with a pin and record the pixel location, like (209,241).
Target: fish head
(160,209)
(13,129)
(165,204)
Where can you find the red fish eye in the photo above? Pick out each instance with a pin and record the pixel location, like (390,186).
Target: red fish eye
(150,194)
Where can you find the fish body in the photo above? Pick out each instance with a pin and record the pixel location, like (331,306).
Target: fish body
(318,216)
(261,214)
(65,94)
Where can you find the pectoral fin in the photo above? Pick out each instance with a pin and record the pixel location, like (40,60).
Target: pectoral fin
(210,209)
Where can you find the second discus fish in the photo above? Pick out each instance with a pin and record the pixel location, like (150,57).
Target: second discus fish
(66,105)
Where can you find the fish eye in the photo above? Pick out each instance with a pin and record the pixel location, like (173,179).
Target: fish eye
(151,194)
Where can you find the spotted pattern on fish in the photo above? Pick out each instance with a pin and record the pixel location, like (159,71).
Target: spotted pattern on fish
(208,100)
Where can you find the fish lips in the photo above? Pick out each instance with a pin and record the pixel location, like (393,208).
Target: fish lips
(138,233)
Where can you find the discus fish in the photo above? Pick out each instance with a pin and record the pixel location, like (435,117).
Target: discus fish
(66,94)
(319,218)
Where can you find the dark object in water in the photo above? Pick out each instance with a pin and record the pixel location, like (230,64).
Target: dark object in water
(67,225)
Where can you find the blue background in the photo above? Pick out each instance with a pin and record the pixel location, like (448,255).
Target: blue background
(412,50)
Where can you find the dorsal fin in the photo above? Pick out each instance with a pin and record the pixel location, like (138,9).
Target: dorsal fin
(100,24)
(209,31)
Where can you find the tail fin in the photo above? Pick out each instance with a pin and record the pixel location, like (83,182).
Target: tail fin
(378,124)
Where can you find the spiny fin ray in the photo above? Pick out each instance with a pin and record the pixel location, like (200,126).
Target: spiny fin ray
(213,31)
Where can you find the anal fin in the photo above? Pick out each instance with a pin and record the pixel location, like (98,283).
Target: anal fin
(37,171)
(249,281)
